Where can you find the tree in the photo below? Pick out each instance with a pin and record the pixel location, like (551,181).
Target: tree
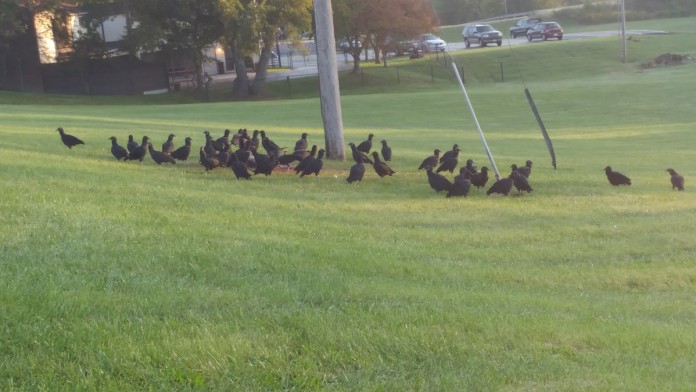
(184,27)
(379,22)
(252,29)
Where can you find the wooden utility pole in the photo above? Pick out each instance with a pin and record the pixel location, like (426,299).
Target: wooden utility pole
(623,30)
(328,80)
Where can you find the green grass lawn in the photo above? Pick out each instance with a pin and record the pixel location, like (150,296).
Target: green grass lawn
(118,276)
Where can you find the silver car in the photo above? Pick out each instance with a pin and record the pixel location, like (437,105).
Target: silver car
(432,43)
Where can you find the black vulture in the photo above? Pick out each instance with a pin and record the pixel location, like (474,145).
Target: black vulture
(450,163)
(461,185)
(520,182)
(677,180)
(502,186)
(208,162)
(615,178)
(168,146)
(525,170)
(306,160)
(449,154)
(243,154)
(223,142)
(431,161)
(140,151)
(159,156)
(210,149)
(68,140)
(239,168)
(265,164)
(254,141)
(118,151)
(471,167)
(182,153)
(438,182)
(386,151)
(268,144)
(479,180)
(359,156)
(366,145)
(132,144)
(224,156)
(357,172)
(302,144)
(314,167)
(381,168)
(464,173)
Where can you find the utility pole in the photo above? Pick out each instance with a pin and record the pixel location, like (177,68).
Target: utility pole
(623,31)
(329,92)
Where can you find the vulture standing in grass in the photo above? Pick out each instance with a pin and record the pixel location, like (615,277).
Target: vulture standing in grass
(159,156)
(132,144)
(359,156)
(209,163)
(265,164)
(677,180)
(501,187)
(381,168)
(450,163)
(307,160)
(140,151)
(386,151)
(168,146)
(118,151)
(314,167)
(526,170)
(270,146)
(357,172)
(182,153)
(438,182)
(615,178)
(302,144)
(471,167)
(223,142)
(366,145)
(520,182)
(461,185)
(454,152)
(431,161)
(239,168)
(479,180)
(254,141)
(69,140)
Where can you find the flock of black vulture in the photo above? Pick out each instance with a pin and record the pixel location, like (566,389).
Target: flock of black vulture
(219,153)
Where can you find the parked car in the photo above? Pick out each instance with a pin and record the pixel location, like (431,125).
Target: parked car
(545,30)
(432,43)
(522,25)
(481,34)
(346,46)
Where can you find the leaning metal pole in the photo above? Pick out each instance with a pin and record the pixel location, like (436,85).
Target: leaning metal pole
(473,114)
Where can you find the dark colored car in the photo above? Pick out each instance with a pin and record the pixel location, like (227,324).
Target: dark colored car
(481,34)
(545,30)
(522,25)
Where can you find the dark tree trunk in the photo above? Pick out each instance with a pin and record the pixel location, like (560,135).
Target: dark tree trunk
(240,86)
(259,84)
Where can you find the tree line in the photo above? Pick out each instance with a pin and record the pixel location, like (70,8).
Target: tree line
(248,28)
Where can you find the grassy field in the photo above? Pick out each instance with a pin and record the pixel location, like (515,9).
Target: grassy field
(118,276)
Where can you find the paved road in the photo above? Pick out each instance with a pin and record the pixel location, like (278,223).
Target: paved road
(306,65)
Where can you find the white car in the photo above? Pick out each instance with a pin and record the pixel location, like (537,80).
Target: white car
(432,43)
